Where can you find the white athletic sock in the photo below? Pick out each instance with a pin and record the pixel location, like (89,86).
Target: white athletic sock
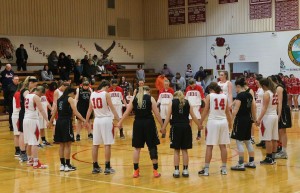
(283,149)
(35,161)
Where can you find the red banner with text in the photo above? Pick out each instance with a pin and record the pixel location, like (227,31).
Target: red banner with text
(176,3)
(176,16)
(228,1)
(196,14)
(260,9)
(286,15)
(196,2)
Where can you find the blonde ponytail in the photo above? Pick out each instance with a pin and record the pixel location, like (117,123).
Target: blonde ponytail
(140,96)
(26,82)
(179,95)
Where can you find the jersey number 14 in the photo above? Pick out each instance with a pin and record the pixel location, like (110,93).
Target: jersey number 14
(219,104)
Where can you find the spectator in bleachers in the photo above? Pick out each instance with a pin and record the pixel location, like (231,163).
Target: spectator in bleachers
(188,73)
(22,56)
(90,71)
(140,73)
(100,70)
(167,72)
(179,82)
(64,66)
(160,80)
(112,69)
(46,74)
(124,85)
(78,72)
(52,62)
(95,60)
(11,89)
(71,62)
(200,76)
(6,78)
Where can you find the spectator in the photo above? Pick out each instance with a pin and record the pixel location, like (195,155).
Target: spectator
(46,74)
(11,89)
(90,71)
(100,70)
(166,71)
(63,66)
(160,80)
(95,60)
(200,76)
(124,85)
(140,73)
(6,78)
(22,57)
(78,72)
(179,82)
(52,62)
(112,69)
(71,62)
(188,73)
(50,94)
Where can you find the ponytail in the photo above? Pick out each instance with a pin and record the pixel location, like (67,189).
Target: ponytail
(140,96)
(179,95)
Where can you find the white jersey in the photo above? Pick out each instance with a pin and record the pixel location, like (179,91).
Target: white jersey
(116,97)
(30,107)
(259,100)
(272,106)
(100,107)
(60,93)
(16,106)
(44,102)
(224,86)
(217,104)
(194,97)
(165,98)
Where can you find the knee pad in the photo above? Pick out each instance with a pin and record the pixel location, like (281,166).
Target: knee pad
(249,146)
(240,146)
(153,153)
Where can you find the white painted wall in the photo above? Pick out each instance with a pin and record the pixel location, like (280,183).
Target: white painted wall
(264,48)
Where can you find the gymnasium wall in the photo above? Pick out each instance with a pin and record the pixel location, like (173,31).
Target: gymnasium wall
(265,48)
(71,18)
(39,47)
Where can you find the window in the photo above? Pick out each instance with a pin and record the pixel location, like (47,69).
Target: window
(111,4)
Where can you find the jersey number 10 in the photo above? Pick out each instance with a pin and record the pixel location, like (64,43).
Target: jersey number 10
(97,103)
(219,104)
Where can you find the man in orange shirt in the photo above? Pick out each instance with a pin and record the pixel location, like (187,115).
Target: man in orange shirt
(159,83)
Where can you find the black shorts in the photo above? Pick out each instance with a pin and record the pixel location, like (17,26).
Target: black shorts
(144,131)
(242,128)
(64,130)
(285,120)
(181,136)
(21,118)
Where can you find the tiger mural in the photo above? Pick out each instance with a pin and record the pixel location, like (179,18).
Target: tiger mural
(6,49)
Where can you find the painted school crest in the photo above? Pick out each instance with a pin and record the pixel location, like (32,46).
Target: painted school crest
(294,50)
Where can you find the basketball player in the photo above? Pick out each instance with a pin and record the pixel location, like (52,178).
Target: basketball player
(65,107)
(181,131)
(15,118)
(195,95)
(268,119)
(42,121)
(294,91)
(31,126)
(164,99)
(82,98)
(243,114)
(217,110)
(28,85)
(117,97)
(251,83)
(141,83)
(259,102)
(101,104)
(144,128)
(288,89)
(285,120)
(226,86)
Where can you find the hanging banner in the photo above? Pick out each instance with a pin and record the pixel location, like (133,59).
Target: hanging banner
(176,16)
(227,1)
(176,3)
(286,15)
(195,2)
(260,9)
(196,14)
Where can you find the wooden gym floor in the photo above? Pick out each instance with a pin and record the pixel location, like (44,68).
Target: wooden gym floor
(17,177)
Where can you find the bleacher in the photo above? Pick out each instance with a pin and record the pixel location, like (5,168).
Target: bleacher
(129,73)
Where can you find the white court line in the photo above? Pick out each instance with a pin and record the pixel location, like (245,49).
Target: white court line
(85,179)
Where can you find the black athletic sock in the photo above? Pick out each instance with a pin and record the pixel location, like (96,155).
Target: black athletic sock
(107,165)
(67,162)
(121,131)
(251,159)
(136,166)
(23,152)
(155,166)
(185,167)
(62,161)
(269,155)
(43,138)
(95,165)
(17,149)
(176,167)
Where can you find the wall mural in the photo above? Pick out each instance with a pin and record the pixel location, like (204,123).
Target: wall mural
(6,49)
(220,51)
(294,49)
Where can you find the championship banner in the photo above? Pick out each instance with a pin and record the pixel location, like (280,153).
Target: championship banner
(176,3)
(227,1)
(176,16)
(196,14)
(196,2)
(260,9)
(286,15)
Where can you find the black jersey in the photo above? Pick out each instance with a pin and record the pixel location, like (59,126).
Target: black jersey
(180,115)
(83,98)
(284,97)
(145,112)
(64,108)
(246,102)
(22,100)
